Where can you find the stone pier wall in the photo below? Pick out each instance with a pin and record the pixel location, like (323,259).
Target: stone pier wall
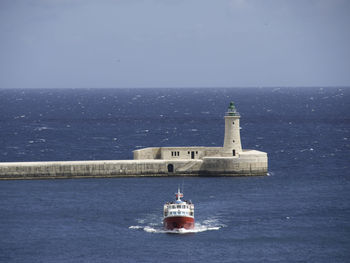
(246,164)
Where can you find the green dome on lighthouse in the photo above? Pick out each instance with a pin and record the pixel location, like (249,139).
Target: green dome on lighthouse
(231,111)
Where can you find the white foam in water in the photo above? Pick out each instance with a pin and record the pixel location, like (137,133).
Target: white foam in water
(206,225)
(135,227)
(42,128)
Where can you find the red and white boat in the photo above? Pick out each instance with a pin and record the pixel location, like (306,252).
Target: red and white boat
(178,214)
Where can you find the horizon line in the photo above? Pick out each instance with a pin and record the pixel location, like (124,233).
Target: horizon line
(177,87)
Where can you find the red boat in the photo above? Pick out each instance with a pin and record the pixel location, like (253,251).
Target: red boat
(178,214)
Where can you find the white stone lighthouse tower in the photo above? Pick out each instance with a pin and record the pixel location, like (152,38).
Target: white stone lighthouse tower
(232,141)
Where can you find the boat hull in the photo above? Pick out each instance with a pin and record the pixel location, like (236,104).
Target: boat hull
(178,222)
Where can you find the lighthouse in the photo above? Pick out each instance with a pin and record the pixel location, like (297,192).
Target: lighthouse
(232,141)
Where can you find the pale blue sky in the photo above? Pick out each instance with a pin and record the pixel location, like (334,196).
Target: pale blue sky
(174,43)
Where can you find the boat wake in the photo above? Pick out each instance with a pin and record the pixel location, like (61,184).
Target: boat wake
(206,225)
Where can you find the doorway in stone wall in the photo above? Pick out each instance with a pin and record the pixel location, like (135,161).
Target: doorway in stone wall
(192,155)
(170,168)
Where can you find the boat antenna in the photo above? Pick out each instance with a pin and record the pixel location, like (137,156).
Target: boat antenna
(183,185)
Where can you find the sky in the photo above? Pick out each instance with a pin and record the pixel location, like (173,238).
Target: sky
(174,43)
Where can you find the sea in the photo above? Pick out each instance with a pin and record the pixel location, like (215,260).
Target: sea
(300,212)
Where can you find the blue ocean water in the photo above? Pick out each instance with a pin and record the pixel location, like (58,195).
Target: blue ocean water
(300,213)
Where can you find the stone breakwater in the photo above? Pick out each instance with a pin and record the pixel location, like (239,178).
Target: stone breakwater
(248,165)
(229,160)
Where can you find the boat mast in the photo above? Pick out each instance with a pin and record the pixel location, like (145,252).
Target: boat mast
(178,194)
